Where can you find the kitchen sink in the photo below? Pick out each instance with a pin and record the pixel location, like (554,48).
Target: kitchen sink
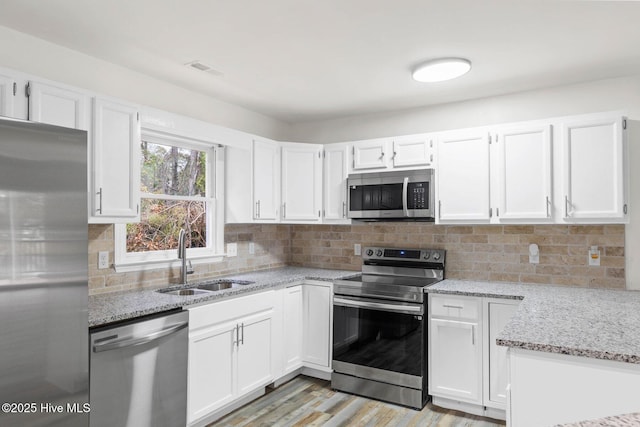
(206,287)
(219,285)
(185,292)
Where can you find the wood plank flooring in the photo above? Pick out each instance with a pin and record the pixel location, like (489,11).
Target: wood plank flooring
(305,401)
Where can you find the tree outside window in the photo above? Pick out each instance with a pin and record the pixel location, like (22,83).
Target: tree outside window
(173,196)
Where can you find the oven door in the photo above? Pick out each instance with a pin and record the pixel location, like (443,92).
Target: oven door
(379,340)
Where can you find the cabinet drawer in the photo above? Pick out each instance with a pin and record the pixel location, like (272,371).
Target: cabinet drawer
(456,307)
(228,310)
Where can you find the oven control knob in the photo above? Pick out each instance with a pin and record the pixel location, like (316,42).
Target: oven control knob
(369,252)
(436,256)
(379,252)
(427,255)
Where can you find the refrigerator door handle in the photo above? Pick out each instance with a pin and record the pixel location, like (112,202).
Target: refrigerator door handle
(138,340)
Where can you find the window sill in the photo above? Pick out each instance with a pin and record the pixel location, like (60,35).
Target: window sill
(126,267)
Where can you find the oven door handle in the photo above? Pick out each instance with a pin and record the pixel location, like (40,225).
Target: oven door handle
(397,308)
(405,192)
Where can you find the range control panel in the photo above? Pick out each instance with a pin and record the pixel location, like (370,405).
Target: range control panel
(417,255)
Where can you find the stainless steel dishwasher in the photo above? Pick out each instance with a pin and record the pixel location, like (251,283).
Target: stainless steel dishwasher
(138,373)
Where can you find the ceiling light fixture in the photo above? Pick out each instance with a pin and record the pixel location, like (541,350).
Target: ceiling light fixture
(439,70)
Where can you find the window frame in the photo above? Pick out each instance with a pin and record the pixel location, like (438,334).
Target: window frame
(214,252)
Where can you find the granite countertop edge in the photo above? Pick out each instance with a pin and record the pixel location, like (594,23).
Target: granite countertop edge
(593,323)
(110,308)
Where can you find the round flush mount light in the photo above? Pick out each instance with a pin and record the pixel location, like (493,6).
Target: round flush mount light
(439,70)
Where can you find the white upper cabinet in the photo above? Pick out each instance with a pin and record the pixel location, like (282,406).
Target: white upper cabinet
(594,169)
(115,163)
(523,173)
(58,106)
(371,154)
(463,176)
(12,100)
(266,180)
(301,182)
(335,183)
(414,150)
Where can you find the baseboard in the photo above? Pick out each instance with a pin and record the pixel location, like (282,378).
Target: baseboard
(469,408)
(319,372)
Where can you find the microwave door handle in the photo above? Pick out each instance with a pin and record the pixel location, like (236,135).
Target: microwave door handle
(405,189)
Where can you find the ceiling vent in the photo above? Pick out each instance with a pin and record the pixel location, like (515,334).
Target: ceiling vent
(197,65)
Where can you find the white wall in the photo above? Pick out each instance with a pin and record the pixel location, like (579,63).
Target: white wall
(604,95)
(40,58)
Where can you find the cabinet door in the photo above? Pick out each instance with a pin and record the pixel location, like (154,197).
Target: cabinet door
(463,177)
(317,324)
(594,175)
(301,182)
(370,154)
(293,328)
(456,360)
(335,183)
(254,353)
(266,180)
(499,314)
(58,106)
(8,91)
(211,370)
(413,151)
(115,163)
(523,169)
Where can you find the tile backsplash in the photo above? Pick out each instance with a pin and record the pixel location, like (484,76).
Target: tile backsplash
(480,252)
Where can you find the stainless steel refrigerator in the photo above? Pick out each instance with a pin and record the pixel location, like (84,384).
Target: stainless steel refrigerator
(43,275)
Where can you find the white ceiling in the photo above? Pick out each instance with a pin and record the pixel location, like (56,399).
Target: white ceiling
(305,60)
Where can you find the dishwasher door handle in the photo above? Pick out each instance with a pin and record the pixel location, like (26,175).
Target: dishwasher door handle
(138,340)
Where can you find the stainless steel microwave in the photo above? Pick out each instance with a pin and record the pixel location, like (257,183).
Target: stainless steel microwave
(393,195)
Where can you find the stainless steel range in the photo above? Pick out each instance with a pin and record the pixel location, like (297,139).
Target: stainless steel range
(380,325)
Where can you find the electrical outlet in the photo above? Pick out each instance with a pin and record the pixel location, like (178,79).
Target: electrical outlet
(357,249)
(252,248)
(232,249)
(594,256)
(103,260)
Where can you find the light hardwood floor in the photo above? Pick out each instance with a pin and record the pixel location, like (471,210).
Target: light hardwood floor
(306,401)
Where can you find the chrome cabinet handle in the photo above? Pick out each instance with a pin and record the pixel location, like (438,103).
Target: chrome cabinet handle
(284,210)
(258,209)
(548,205)
(134,341)
(452,306)
(440,209)
(100,201)
(566,206)
(473,335)
(242,337)
(344,209)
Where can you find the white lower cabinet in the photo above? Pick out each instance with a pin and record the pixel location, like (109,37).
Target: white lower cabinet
(304,346)
(497,313)
(317,325)
(230,351)
(467,370)
(292,320)
(455,348)
(548,389)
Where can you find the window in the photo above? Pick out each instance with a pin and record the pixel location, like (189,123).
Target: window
(178,189)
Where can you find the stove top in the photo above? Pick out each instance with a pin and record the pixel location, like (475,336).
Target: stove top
(395,274)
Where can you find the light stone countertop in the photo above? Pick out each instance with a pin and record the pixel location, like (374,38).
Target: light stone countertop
(117,306)
(595,323)
(615,421)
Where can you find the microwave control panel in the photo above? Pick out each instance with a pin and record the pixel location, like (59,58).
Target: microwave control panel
(418,195)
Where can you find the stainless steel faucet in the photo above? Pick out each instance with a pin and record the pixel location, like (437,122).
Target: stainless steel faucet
(182,254)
